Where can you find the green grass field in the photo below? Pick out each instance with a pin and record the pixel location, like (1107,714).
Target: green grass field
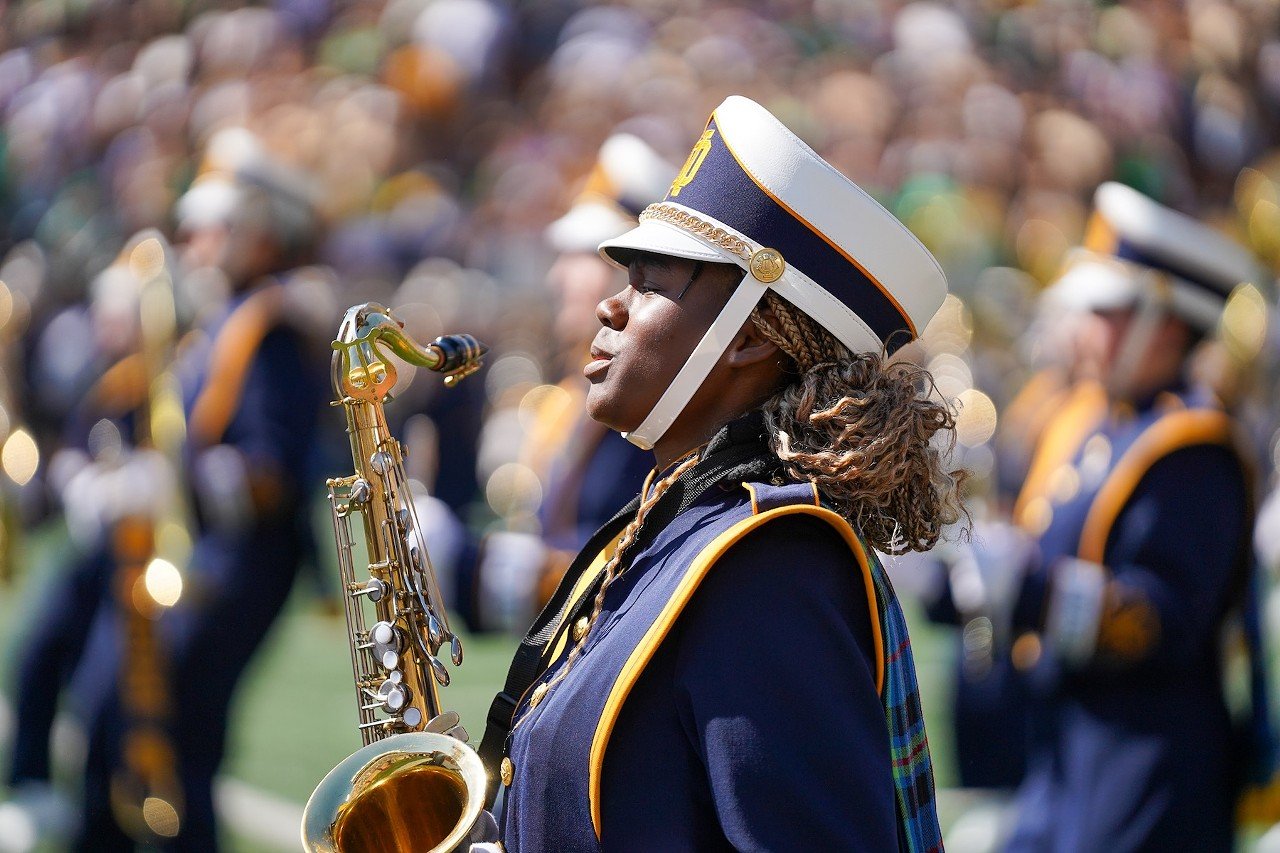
(294,716)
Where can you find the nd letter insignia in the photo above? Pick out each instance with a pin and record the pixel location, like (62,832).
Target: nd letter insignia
(691,166)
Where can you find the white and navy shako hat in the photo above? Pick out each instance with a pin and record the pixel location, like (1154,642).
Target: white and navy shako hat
(752,194)
(1136,249)
(627,177)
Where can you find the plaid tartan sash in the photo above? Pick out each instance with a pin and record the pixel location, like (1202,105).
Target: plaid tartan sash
(908,744)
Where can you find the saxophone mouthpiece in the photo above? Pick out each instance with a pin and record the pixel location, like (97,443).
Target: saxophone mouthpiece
(460,356)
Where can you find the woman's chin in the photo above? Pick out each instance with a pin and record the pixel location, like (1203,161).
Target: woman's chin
(602,408)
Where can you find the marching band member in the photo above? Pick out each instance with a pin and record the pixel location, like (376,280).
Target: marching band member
(725,665)
(254,389)
(1141,502)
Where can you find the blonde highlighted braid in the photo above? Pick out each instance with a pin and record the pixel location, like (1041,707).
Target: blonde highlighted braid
(860,427)
(613,568)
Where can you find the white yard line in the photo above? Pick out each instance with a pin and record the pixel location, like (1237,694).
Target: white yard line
(256,815)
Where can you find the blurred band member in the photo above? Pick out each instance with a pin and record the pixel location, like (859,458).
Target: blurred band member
(1140,501)
(253,386)
(100,479)
(588,472)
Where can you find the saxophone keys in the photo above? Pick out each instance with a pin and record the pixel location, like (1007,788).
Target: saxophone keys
(360,491)
(384,634)
(380,462)
(394,695)
(435,633)
(438,670)
(455,650)
(375,589)
(411,718)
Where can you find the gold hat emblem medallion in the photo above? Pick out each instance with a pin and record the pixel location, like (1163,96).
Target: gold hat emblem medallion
(767,265)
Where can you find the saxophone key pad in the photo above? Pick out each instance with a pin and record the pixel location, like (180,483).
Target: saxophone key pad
(384,639)
(360,491)
(395,697)
(412,717)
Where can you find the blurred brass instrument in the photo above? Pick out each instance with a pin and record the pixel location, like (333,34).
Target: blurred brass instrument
(20,460)
(150,550)
(412,787)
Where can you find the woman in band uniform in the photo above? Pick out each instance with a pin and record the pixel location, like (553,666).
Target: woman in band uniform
(725,665)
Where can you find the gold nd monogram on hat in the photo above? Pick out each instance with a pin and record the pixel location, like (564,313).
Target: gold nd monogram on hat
(752,194)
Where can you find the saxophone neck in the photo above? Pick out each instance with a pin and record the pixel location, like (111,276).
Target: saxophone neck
(359,369)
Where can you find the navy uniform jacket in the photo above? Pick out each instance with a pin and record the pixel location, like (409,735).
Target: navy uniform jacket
(1131,750)
(256,392)
(753,724)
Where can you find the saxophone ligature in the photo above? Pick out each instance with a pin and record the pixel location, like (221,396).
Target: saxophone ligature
(415,785)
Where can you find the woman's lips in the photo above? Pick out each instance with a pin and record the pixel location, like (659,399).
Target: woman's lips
(599,363)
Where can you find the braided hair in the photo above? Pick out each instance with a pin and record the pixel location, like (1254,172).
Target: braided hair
(858,426)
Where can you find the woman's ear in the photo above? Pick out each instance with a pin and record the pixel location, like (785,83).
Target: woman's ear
(750,347)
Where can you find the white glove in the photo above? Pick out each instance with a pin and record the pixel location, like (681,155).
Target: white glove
(986,573)
(99,494)
(1076,603)
(509,573)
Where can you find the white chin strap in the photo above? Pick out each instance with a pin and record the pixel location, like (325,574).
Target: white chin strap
(1152,308)
(704,357)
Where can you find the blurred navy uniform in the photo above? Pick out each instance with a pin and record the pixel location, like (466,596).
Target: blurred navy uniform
(747,682)
(1141,501)
(253,390)
(97,473)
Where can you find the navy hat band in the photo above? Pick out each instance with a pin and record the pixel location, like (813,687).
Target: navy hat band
(714,183)
(1131,252)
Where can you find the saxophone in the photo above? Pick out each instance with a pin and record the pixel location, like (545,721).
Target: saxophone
(415,785)
(151,551)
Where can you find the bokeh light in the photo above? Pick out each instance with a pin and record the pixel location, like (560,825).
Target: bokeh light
(1243,327)
(20,457)
(976,418)
(164,582)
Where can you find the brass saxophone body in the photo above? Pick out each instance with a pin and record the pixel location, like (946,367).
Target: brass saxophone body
(411,787)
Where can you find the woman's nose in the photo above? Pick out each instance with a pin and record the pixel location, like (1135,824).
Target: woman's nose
(612,311)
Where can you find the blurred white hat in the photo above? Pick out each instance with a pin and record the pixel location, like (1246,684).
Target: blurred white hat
(238,179)
(627,177)
(1135,248)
